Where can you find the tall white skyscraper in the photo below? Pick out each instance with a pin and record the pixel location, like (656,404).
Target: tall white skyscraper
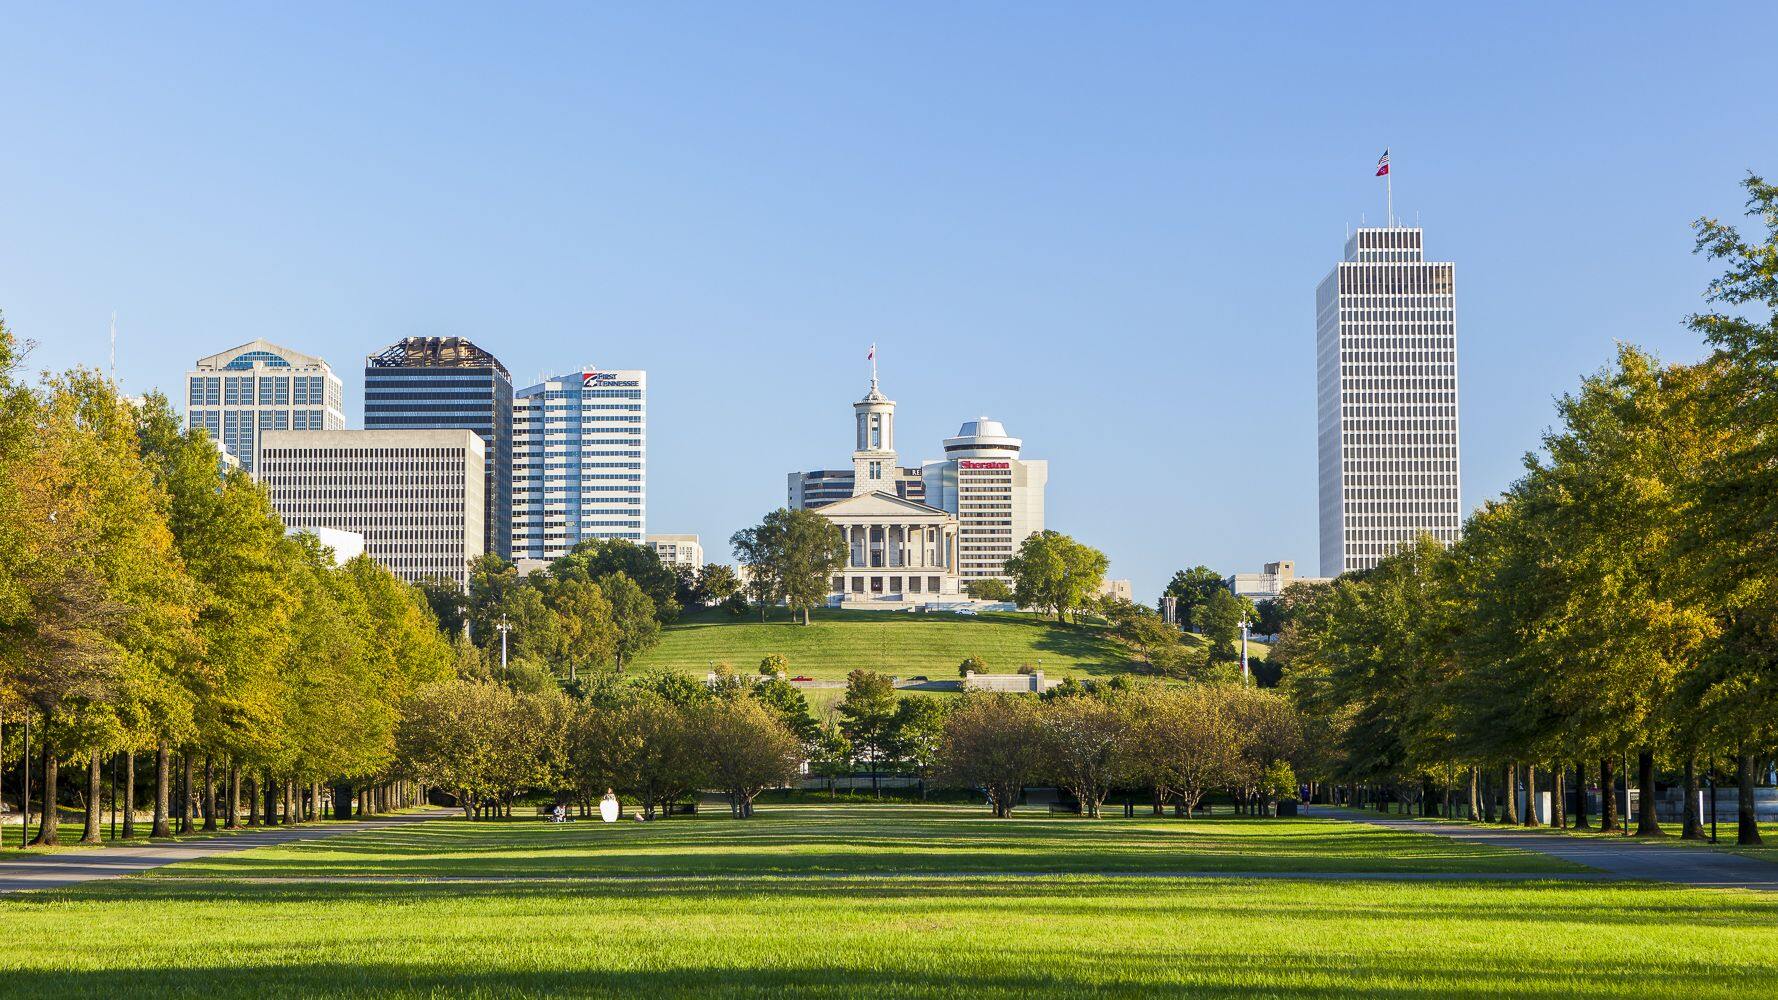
(256,387)
(1386,341)
(579,461)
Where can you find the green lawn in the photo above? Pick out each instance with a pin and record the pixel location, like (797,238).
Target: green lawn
(900,644)
(899,919)
(867,840)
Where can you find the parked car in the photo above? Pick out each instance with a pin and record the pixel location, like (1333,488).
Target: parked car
(966,611)
(802,677)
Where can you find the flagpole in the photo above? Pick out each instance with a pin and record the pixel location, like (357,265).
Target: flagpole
(1389,197)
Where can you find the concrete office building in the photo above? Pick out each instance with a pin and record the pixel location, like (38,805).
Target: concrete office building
(1386,340)
(1267,585)
(246,391)
(996,495)
(579,466)
(414,496)
(440,383)
(677,550)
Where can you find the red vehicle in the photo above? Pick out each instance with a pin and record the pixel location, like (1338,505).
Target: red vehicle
(800,677)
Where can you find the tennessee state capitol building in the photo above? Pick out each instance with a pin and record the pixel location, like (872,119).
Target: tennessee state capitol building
(917,535)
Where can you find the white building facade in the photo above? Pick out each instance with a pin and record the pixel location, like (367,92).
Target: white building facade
(996,495)
(1386,341)
(579,465)
(677,550)
(242,393)
(415,496)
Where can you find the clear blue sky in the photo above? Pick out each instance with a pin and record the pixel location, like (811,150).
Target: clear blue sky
(1101,224)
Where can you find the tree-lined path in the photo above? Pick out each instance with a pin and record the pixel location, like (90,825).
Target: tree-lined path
(53,871)
(1621,856)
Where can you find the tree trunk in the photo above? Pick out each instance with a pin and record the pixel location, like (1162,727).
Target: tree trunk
(252,782)
(342,801)
(1531,795)
(284,793)
(1746,819)
(269,790)
(1475,803)
(1693,827)
(48,817)
(1608,822)
(1580,795)
(1558,798)
(209,793)
(1648,822)
(163,780)
(233,822)
(187,773)
(129,794)
(1511,816)
(95,797)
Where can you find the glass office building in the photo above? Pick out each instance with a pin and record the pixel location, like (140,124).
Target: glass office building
(448,383)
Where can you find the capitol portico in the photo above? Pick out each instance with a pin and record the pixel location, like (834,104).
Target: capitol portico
(900,551)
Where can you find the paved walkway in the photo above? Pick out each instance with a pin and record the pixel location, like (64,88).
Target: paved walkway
(51,871)
(1621,857)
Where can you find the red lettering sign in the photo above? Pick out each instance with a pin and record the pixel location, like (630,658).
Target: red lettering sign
(966,464)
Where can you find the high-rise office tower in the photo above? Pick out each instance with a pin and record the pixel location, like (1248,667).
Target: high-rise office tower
(1386,341)
(258,387)
(414,497)
(448,383)
(579,466)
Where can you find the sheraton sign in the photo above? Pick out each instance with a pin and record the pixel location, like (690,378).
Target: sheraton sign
(967,464)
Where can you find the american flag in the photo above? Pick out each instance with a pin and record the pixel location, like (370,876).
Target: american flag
(1383,164)
(872,356)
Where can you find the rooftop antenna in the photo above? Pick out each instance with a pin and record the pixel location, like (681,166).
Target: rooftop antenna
(114,346)
(872,358)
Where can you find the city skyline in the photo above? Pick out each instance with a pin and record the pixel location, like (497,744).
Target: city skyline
(1096,257)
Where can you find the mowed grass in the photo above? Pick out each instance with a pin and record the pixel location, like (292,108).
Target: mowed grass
(683,928)
(804,840)
(904,645)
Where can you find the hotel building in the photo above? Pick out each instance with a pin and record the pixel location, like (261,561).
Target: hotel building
(246,391)
(996,496)
(579,466)
(414,496)
(1386,340)
(441,383)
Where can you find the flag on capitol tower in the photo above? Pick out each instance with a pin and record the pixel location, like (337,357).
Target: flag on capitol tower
(1383,164)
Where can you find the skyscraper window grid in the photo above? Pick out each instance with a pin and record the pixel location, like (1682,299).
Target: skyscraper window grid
(1387,400)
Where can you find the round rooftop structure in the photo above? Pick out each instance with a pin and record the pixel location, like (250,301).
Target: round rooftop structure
(982,437)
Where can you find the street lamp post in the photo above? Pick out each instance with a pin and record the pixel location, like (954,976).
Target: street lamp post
(1245,624)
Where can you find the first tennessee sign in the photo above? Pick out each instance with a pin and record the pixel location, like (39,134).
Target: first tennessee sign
(596,377)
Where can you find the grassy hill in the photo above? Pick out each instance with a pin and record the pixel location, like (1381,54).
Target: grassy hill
(900,644)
